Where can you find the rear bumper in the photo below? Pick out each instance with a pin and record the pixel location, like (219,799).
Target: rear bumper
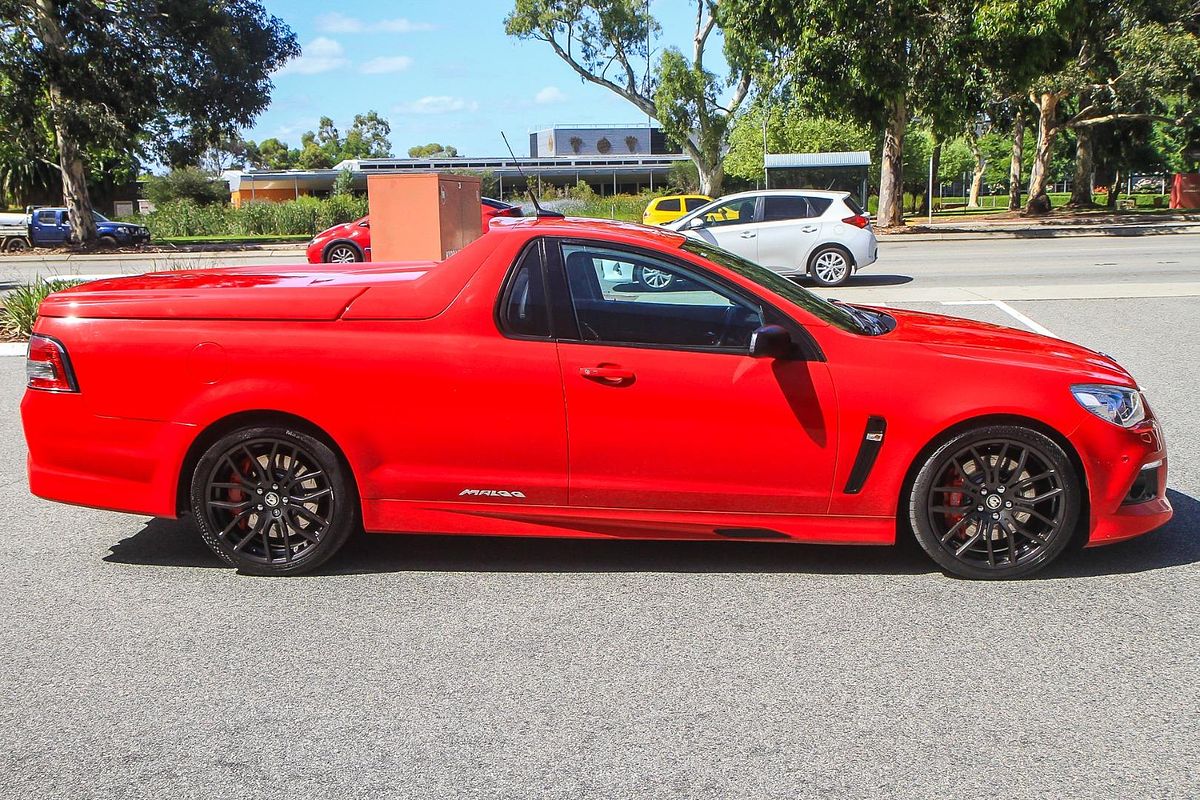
(116,464)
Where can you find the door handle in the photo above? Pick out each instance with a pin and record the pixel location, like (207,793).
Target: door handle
(748,235)
(607,374)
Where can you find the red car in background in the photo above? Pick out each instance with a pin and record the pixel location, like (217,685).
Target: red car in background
(351,241)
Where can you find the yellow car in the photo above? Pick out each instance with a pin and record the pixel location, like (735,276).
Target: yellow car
(671,207)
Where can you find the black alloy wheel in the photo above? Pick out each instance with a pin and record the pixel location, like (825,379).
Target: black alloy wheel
(998,502)
(273,501)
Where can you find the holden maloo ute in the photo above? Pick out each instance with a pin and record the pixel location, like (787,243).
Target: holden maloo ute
(524,388)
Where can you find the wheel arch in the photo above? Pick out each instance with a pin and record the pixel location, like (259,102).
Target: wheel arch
(1083,525)
(243,419)
(812,255)
(336,242)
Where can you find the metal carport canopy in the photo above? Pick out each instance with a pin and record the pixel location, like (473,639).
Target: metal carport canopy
(853,158)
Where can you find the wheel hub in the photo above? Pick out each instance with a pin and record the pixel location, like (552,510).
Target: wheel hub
(993,502)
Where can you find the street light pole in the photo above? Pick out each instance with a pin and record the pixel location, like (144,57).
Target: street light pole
(766,175)
(929,197)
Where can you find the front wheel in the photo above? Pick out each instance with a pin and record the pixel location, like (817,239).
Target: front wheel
(107,242)
(342,254)
(996,502)
(830,266)
(654,279)
(273,501)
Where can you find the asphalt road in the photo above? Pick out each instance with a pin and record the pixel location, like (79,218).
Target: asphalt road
(132,665)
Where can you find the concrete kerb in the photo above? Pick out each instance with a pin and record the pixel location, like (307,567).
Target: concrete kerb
(1042,232)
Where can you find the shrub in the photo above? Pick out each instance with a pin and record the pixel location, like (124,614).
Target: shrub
(303,216)
(21,305)
(187,183)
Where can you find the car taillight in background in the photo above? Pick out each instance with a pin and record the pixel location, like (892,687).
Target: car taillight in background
(858,221)
(47,366)
(511,211)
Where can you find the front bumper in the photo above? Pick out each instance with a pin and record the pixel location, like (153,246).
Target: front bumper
(1127,478)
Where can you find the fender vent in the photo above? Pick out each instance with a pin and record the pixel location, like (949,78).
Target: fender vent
(868,451)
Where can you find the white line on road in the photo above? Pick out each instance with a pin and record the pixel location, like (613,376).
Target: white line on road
(1007,309)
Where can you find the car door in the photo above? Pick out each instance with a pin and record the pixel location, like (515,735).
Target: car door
(665,408)
(731,225)
(45,230)
(788,232)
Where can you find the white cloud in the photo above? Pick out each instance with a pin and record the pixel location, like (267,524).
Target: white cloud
(319,55)
(386,64)
(549,96)
(439,104)
(340,23)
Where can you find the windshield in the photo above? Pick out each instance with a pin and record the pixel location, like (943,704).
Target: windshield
(837,315)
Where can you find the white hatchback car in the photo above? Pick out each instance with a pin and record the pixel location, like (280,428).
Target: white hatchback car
(790,231)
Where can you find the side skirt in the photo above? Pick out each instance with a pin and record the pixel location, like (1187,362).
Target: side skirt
(496,519)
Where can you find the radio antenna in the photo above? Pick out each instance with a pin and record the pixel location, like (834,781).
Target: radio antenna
(537,207)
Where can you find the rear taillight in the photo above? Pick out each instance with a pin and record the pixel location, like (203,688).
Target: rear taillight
(858,221)
(47,366)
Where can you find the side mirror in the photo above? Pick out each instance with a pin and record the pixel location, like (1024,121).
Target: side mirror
(770,341)
(694,223)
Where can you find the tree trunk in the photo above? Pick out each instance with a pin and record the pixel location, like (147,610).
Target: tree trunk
(1081,189)
(1039,175)
(891,176)
(977,175)
(74,177)
(712,176)
(1114,190)
(1015,165)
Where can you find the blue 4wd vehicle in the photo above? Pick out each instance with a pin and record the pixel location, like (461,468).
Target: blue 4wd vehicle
(49,227)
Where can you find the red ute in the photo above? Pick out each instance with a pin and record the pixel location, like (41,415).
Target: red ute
(351,241)
(519,388)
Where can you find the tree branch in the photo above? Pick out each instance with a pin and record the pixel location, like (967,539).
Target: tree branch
(641,101)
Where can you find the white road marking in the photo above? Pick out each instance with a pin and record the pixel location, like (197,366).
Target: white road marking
(1007,309)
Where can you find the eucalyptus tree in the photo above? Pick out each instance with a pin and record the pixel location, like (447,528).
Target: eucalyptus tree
(167,78)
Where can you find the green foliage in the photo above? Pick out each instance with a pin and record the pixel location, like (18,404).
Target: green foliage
(325,147)
(791,130)
(21,306)
(433,150)
(303,216)
(683,177)
(343,184)
(187,183)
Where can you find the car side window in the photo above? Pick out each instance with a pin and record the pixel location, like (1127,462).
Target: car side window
(818,206)
(635,299)
(669,205)
(777,208)
(524,310)
(692,203)
(47,217)
(733,212)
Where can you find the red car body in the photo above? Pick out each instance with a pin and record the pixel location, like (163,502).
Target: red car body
(450,423)
(354,238)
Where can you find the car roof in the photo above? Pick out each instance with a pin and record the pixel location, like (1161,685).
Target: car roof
(785,193)
(613,230)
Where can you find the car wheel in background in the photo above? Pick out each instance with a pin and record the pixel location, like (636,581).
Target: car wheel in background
(996,502)
(16,245)
(273,501)
(342,253)
(830,266)
(108,242)
(654,279)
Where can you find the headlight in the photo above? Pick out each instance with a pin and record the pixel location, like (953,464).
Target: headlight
(1119,405)
(123,230)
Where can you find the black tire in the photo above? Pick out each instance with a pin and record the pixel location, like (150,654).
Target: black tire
(107,242)
(996,502)
(830,266)
(243,501)
(342,253)
(655,280)
(16,245)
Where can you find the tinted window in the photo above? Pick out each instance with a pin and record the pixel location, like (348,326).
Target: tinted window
(687,311)
(669,205)
(692,203)
(853,205)
(47,217)
(818,205)
(524,311)
(732,212)
(780,208)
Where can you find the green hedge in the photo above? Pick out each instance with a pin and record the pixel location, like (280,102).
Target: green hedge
(304,216)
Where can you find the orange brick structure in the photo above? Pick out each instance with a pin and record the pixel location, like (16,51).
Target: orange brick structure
(422,217)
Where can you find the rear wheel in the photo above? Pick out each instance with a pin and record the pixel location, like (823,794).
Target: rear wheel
(273,501)
(342,254)
(654,279)
(15,245)
(830,266)
(996,502)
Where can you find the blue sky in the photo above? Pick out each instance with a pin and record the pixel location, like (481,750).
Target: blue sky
(443,72)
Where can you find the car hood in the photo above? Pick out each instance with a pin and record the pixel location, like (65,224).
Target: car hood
(968,338)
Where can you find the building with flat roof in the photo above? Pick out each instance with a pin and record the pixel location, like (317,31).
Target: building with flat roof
(638,157)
